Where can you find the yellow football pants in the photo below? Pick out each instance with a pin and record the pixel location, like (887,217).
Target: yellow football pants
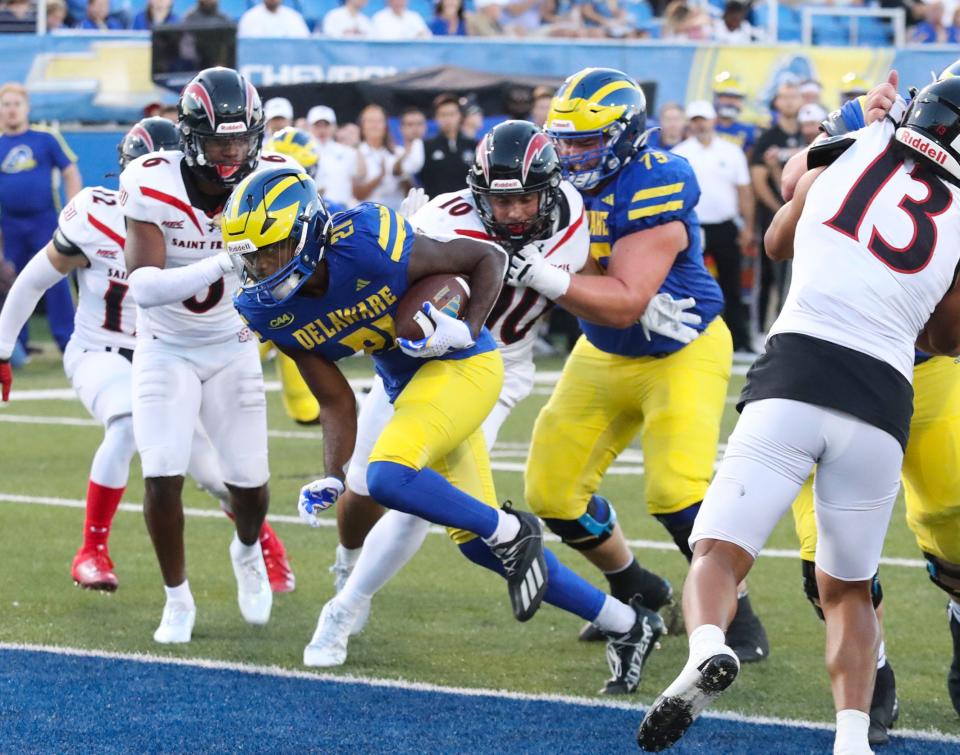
(601,402)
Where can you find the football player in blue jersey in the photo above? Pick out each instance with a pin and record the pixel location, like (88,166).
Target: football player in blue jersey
(621,380)
(324,288)
(728,97)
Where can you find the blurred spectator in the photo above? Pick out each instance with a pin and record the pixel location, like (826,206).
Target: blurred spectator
(487,21)
(725,210)
(270,18)
(31,161)
(397,21)
(98,17)
(542,97)
(413,127)
(561,18)
(774,147)
(607,16)
(811,91)
(932,30)
(207,13)
(349,135)
(684,21)
(852,85)
(157,12)
(672,126)
(810,117)
(522,17)
(449,154)
(729,95)
(17,17)
(733,28)
(278,114)
(347,21)
(377,181)
(516,102)
(56,15)
(170,113)
(472,122)
(448,19)
(339,164)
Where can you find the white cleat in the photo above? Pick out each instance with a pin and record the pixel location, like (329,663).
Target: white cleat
(342,569)
(328,646)
(176,624)
(253,585)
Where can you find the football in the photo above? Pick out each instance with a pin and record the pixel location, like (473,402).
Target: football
(447,292)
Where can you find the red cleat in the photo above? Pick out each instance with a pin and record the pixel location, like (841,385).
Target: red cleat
(279,572)
(93,570)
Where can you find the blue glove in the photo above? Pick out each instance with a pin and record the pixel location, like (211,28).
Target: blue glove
(317,496)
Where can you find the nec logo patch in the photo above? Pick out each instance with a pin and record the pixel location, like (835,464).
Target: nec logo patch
(110,254)
(283,320)
(175,224)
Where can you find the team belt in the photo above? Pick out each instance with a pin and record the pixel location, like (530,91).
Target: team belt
(121,350)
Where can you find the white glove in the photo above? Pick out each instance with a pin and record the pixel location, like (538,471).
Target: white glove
(415,199)
(669,317)
(530,268)
(317,496)
(449,334)
(225,261)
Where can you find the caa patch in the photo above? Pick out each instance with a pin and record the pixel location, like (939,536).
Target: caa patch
(282,321)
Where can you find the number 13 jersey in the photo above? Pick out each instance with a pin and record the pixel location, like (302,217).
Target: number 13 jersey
(876,248)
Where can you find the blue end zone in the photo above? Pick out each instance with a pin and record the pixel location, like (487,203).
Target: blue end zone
(62,703)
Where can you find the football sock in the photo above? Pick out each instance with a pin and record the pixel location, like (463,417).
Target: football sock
(851,737)
(392,542)
(955,609)
(111,462)
(565,589)
(102,503)
(181,593)
(703,640)
(241,551)
(882,655)
(632,580)
(508,527)
(426,494)
(615,616)
(349,556)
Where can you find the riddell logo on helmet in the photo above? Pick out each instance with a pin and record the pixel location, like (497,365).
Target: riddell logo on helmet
(923,145)
(506,183)
(231,128)
(559,125)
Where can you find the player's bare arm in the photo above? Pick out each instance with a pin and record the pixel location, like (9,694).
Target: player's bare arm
(778,240)
(482,263)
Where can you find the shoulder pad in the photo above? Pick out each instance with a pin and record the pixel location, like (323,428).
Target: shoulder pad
(826,151)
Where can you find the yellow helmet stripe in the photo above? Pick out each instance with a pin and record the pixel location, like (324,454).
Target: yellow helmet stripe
(397,250)
(574,80)
(384,236)
(281,187)
(613,86)
(658,191)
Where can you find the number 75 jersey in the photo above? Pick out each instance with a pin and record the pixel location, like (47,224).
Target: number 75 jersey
(875,250)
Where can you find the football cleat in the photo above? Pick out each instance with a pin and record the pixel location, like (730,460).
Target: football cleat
(884,707)
(658,594)
(342,569)
(280,574)
(953,675)
(627,654)
(253,586)
(328,646)
(176,624)
(746,634)
(93,570)
(674,711)
(524,565)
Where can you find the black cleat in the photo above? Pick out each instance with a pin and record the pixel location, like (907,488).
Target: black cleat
(746,635)
(524,565)
(953,675)
(671,715)
(627,653)
(654,593)
(884,707)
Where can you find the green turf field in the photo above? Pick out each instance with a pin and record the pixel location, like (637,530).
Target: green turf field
(442,620)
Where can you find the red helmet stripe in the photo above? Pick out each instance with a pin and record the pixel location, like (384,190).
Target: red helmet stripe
(140,131)
(251,98)
(484,159)
(535,146)
(199,92)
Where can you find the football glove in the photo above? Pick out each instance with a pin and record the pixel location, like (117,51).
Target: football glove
(6,378)
(449,334)
(669,317)
(415,199)
(529,268)
(317,496)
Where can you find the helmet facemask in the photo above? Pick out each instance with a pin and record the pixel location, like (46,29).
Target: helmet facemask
(222,159)
(588,168)
(516,235)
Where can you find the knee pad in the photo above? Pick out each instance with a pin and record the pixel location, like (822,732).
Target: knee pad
(594,527)
(813,593)
(680,524)
(944,575)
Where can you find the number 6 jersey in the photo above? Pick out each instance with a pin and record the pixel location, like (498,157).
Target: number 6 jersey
(155,189)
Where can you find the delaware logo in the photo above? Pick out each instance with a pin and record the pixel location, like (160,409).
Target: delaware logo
(278,322)
(18,160)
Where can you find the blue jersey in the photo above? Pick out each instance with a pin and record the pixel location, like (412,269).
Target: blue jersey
(744,135)
(652,189)
(367,257)
(27,162)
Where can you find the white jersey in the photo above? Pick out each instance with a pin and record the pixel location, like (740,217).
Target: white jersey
(152,190)
(517,310)
(92,225)
(876,248)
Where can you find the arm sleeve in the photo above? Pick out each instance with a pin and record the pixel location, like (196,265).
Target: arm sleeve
(153,287)
(38,275)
